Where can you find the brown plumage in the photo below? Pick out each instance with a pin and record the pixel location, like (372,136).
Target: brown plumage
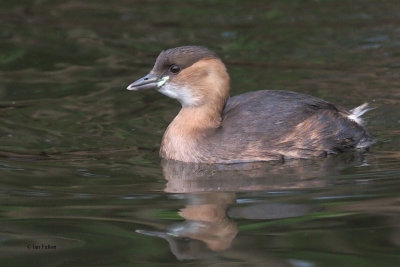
(255,126)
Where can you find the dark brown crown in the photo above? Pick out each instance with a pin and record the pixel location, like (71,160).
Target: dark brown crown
(184,56)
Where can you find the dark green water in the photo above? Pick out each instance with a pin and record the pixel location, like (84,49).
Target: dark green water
(79,165)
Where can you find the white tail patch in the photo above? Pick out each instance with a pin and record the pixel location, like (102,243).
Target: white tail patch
(356,113)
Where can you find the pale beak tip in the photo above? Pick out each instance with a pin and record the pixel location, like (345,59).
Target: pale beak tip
(131,88)
(147,82)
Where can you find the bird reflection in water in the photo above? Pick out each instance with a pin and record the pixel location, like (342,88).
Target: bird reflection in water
(210,191)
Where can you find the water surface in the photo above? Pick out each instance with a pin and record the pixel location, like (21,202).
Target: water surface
(81,182)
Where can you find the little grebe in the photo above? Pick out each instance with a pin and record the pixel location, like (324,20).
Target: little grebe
(263,125)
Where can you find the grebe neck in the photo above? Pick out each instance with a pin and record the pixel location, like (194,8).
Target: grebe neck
(194,123)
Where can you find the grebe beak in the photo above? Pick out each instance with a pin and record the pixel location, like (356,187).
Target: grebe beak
(147,82)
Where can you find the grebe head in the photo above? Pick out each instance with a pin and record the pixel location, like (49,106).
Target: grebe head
(193,75)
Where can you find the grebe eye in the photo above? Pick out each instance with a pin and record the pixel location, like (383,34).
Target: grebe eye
(175,69)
